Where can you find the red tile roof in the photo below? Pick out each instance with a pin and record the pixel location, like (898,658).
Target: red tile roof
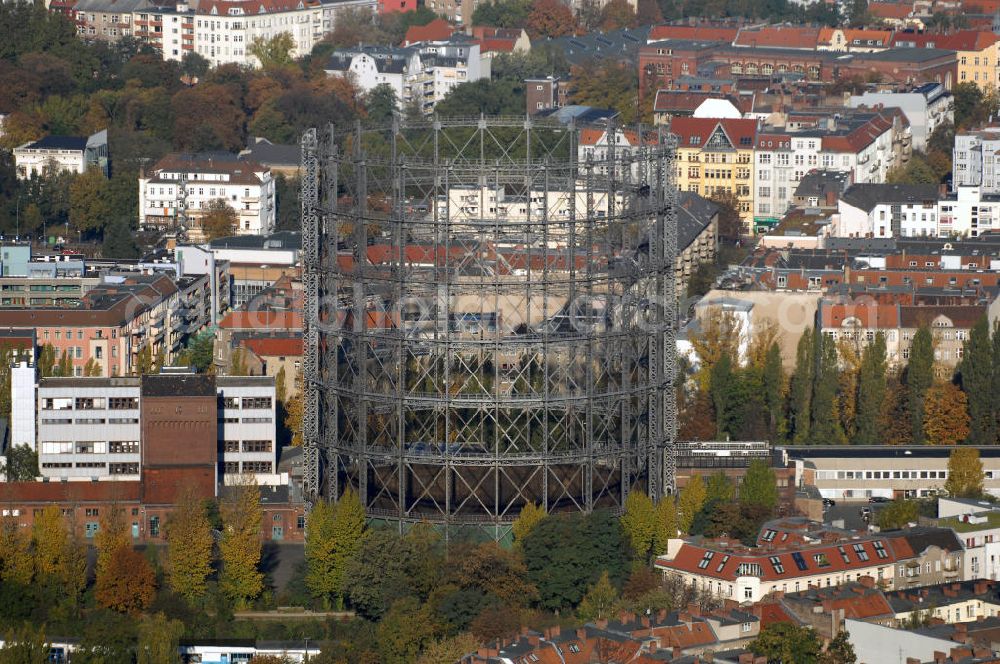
(695,132)
(262,320)
(897,10)
(822,559)
(436,30)
(779,36)
(962,40)
(274,346)
(867,315)
(696,32)
(880,37)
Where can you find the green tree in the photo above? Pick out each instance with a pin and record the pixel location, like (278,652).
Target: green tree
(22,463)
(839,650)
(381,103)
(112,533)
(189,547)
(449,649)
(995,375)
(529,517)
(321,578)
(946,414)
(800,392)
(786,643)
(774,392)
(759,486)
(273,53)
(159,640)
(721,384)
(201,348)
(567,552)
(965,473)
(639,524)
(65,368)
(608,83)
(690,502)
(144,361)
(218,220)
(119,241)
(976,371)
(824,426)
(600,600)
(406,629)
(897,514)
(719,488)
(666,524)
(25,646)
(919,377)
(871,393)
(503,14)
(47,361)
(240,579)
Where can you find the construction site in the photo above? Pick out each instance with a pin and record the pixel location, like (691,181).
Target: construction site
(490,318)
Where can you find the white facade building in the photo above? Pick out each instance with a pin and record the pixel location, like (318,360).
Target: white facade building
(926,107)
(22,405)
(865,144)
(56,154)
(90,428)
(222,31)
(976,160)
(185,185)
(423,73)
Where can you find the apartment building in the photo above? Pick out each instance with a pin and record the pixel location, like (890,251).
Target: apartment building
(856,473)
(104,428)
(716,155)
(222,31)
(543,94)
(926,107)
(976,52)
(859,321)
(180,188)
(255,261)
(59,154)
(866,144)
(976,159)
(107,20)
(421,74)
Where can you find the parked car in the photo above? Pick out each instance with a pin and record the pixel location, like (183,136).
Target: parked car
(879,499)
(829,502)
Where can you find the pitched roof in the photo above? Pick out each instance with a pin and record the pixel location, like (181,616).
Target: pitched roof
(879,37)
(695,132)
(856,600)
(897,10)
(76,143)
(868,315)
(775,565)
(694,32)
(867,196)
(436,30)
(960,40)
(779,36)
(960,316)
(274,346)
(694,213)
(262,320)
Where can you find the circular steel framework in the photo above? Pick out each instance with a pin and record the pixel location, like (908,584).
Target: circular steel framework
(489,317)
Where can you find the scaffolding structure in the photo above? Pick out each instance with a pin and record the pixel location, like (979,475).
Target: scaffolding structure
(490,317)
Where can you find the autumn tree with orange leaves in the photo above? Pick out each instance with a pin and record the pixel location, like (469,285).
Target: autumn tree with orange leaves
(551,18)
(946,414)
(129,584)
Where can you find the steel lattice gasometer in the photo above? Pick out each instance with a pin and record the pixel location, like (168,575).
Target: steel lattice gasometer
(490,317)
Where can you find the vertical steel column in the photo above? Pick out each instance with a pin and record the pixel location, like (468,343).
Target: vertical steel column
(310,331)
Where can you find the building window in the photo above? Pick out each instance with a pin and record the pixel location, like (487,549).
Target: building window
(257,402)
(256,446)
(231,467)
(231,446)
(154,526)
(256,466)
(123,447)
(123,403)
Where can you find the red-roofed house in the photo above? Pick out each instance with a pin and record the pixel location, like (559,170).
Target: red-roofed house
(975,50)
(437,30)
(501,40)
(695,32)
(856,41)
(780,36)
(717,155)
(270,355)
(896,14)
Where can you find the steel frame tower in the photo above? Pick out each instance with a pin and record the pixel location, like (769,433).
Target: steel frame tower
(489,317)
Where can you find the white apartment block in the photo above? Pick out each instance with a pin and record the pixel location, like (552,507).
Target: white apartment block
(185,185)
(866,145)
(976,160)
(56,154)
(516,206)
(884,211)
(926,107)
(247,428)
(90,428)
(222,32)
(422,73)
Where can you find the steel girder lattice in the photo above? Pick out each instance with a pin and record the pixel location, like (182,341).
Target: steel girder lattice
(490,317)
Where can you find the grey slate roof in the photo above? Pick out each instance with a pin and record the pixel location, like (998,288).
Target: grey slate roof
(623,43)
(267,153)
(867,196)
(817,183)
(694,213)
(78,143)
